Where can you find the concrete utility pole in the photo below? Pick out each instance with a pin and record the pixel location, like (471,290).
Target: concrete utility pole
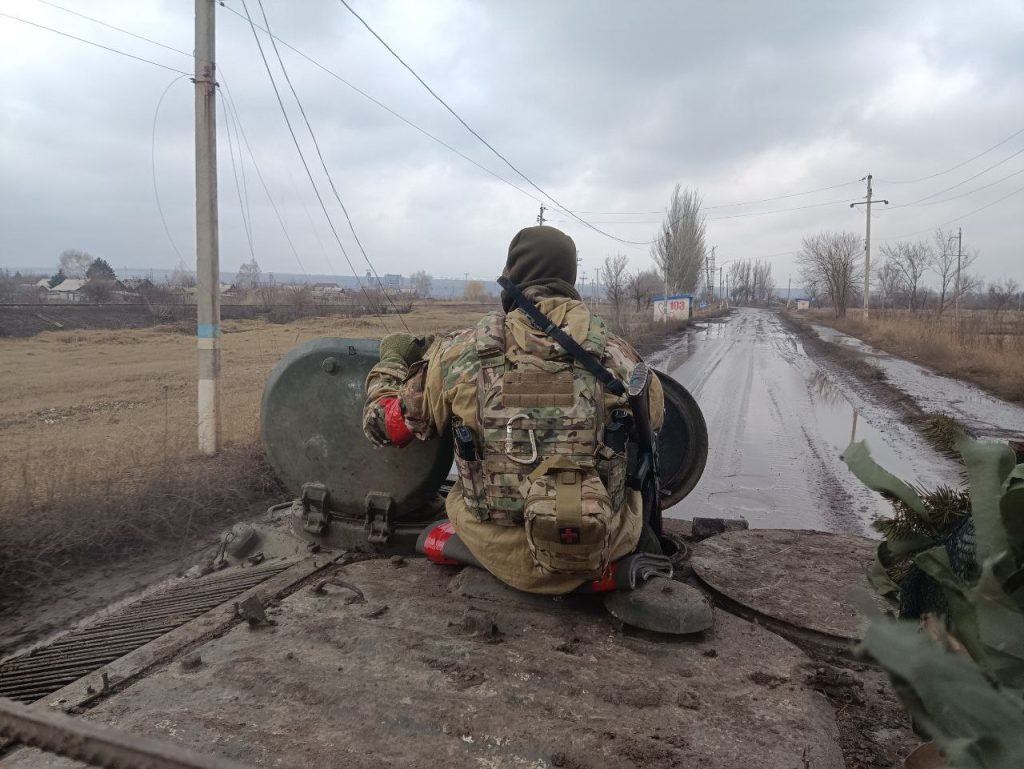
(867,247)
(789,285)
(207,238)
(720,281)
(540,216)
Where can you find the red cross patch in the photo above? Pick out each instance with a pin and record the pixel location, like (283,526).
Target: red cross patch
(570,535)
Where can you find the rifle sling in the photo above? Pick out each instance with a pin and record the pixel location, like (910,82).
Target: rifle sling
(567,343)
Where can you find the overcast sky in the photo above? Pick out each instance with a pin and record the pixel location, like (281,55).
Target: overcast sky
(606,106)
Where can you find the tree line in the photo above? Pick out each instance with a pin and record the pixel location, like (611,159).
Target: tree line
(912,275)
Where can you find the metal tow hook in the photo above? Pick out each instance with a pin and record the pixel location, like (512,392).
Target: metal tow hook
(509,443)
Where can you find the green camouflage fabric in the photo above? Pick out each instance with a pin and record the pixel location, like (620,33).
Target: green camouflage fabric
(446,387)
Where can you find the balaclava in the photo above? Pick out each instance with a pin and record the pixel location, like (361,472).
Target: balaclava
(544,259)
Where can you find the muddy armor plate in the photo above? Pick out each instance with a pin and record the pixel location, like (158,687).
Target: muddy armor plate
(311,422)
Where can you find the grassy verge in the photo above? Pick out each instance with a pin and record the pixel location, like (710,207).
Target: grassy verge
(648,335)
(84,521)
(987,350)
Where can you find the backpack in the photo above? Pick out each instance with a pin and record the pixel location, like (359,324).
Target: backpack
(541,461)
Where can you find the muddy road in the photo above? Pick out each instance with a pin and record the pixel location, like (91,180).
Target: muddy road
(778,422)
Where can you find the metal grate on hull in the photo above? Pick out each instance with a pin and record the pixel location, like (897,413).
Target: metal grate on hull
(46,669)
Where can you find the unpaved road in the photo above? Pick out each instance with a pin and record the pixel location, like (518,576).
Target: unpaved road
(778,423)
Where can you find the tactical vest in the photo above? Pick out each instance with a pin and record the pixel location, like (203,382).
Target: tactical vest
(541,462)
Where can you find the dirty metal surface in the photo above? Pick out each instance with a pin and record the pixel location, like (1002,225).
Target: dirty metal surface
(420,675)
(72,737)
(796,577)
(48,668)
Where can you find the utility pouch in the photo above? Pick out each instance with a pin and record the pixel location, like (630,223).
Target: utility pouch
(568,517)
(612,466)
(471,474)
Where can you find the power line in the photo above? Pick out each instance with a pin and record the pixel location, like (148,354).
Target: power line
(482,140)
(958,165)
(230,102)
(305,165)
(959,218)
(97,45)
(327,173)
(117,29)
(391,111)
(152,162)
(958,184)
(969,192)
(242,204)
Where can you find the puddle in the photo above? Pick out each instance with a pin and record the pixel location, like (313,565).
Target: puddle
(984,414)
(778,424)
(841,424)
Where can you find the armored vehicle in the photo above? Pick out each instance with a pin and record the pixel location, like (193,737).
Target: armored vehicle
(317,638)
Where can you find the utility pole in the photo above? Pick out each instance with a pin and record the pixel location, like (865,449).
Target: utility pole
(789,286)
(720,282)
(710,266)
(597,285)
(867,247)
(540,216)
(207,238)
(959,256)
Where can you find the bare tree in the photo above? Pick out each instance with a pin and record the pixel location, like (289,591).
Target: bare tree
(73,263)
(944,265)
(909,260)
(1001,294)
(830,262)
(679,249)
(764,283)
(642,286)
(888,281)
(422,281)
(249,276)
(614,276)
(475,291)
(99,290)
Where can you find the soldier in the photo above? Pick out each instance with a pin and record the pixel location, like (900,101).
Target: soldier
(541,499)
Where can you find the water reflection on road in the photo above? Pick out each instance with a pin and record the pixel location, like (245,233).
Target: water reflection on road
(778,424)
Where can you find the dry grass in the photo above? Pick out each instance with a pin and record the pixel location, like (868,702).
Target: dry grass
(988,350)
(98,434)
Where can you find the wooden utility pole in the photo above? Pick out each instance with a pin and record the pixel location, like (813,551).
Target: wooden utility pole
(540,216)
(207,238)
(867,246)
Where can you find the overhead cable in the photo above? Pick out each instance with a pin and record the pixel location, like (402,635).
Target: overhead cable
(958,165)
(483,141)
(97,45)
(305,165)
(959,218)
(958,184)
(327,173)
(116,29)
(152,164)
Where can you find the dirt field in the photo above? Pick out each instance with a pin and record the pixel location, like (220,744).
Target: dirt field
(98,436)
(80,405)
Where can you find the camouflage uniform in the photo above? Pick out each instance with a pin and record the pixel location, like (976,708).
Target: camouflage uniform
(446,387)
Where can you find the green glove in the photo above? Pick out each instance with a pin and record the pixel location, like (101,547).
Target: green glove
(402,348)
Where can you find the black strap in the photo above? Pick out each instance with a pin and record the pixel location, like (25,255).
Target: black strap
(545,324)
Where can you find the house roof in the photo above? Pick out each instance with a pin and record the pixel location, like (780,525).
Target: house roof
(70,284)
